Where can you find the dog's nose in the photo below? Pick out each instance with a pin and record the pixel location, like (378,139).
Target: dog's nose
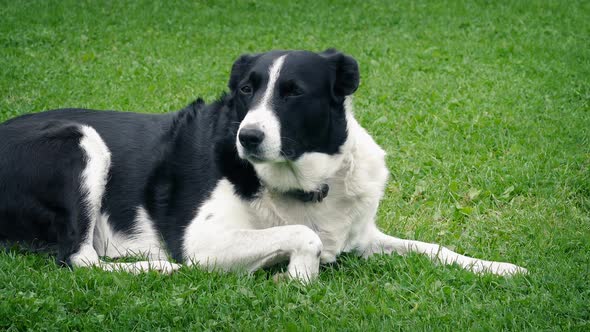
(250,137)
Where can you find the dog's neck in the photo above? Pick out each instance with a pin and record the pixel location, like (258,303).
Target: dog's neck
(322,191)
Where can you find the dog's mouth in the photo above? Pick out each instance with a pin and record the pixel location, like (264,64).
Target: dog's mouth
(255,158)
(259,157)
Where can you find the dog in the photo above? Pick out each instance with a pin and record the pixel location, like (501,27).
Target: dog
(276,170)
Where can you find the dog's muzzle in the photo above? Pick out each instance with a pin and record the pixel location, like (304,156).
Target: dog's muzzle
(251,137)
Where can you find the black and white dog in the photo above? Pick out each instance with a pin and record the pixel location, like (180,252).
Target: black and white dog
(276,170)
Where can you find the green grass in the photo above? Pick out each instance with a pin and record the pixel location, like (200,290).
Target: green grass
(483,108)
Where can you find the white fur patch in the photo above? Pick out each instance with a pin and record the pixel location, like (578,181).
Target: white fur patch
(223,210)
(143,240)
(94,175)
(264,118)
(94,180)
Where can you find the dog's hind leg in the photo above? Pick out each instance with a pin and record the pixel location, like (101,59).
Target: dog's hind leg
(94,179)
(380,243)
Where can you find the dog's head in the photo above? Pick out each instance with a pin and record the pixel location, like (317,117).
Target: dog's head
(294,119)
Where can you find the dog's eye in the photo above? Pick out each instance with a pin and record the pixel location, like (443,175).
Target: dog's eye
(291,89)
(246,90)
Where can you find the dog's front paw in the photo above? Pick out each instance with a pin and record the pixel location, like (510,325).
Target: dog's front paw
(163,267)
(498,268)
(280,277)
(284,277)
(507,269)
(327,257)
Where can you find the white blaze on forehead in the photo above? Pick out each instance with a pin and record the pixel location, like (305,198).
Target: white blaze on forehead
(273,74)
(264,118)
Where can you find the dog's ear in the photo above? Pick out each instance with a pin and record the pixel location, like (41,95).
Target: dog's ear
(346,72)
(240,67)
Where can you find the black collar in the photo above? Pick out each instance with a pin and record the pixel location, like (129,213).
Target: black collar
(315,196)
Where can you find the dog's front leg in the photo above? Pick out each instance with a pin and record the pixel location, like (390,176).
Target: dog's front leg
(378,242)
(249,249)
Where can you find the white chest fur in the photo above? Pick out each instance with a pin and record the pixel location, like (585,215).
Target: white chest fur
(341,218)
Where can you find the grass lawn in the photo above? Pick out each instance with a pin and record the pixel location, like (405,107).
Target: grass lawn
(483,108)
